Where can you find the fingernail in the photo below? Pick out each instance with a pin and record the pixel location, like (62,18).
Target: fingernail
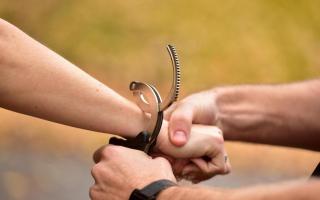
(180,135)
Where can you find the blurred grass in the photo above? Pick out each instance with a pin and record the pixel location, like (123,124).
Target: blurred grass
(220,43)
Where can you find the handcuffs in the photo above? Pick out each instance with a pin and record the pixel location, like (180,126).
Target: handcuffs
(149,101)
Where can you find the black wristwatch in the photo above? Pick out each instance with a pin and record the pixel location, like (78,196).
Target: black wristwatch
(151,191)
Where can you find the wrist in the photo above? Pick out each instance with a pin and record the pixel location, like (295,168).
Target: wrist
(243,111)
(235,111)
(224,99)
(129,120)
(152,190)
(196,192)
(169,193)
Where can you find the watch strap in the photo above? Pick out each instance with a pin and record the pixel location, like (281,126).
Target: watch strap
(151,191)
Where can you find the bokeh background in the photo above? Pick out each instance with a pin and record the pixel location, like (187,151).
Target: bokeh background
(219,43)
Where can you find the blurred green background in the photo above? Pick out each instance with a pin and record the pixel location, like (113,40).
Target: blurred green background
(219,43)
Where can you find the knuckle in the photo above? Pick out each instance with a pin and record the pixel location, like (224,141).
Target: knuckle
(162,160)
(178,117)
(216,140)
(221,170)
(97,155)
(218,168)
(96,169)
(214,145)
(182,112)
(221,166)
(227,169)
(219,140)
(93,192)
(218,130)
(110,151)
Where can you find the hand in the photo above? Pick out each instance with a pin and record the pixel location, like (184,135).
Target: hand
(201,158)
(199,108)
(121,170)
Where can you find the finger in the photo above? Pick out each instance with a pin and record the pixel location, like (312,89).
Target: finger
(98,154)
(222,161)
(159,154)
(192,173)
(168,111)
(94,191)
(163,162)
(204,169)
(96,172)
(180,124)
(189,169)
(196,174)
(228,165)
(210,168)
(178,166)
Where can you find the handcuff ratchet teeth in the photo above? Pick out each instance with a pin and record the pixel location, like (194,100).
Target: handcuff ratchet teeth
(149,101)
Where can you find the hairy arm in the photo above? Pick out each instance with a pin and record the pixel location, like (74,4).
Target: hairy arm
(286,114)
(288,191)
(38,82)
(272,114)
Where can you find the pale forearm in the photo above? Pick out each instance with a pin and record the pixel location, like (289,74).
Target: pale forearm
(38,82)
(287,191)
(272,114)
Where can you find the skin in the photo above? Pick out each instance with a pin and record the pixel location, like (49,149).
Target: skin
(285,115)
(118,173)
(111,182)
(190,164)
(38,82)
(284,191)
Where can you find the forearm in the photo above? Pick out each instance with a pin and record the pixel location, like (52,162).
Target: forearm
(38,82)
(287,191)
(193,192)
(272,114)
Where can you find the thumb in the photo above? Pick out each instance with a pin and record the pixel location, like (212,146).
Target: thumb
(168,111)
(180,124)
